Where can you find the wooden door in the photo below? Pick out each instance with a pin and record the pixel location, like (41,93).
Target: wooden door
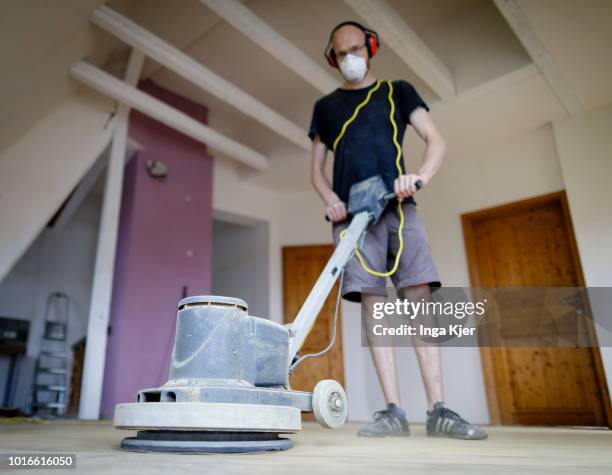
(531,244)
(302,265)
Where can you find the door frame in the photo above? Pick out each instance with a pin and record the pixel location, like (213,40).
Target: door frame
(468,221)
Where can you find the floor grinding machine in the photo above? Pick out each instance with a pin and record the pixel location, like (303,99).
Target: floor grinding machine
(228,389)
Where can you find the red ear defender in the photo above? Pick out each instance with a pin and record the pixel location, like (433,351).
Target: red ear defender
(330,56)
(372,44)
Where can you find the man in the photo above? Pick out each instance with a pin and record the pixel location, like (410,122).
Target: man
(363,148)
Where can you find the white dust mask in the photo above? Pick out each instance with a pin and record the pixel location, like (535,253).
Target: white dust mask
(353,68)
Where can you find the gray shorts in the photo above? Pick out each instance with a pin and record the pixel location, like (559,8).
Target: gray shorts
(379,249)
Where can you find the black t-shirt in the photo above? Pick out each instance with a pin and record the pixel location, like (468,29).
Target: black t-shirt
(367,146)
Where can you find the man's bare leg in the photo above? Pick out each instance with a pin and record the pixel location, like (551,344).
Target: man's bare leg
(429,357)
(389,422)
(383,357)
(441,421)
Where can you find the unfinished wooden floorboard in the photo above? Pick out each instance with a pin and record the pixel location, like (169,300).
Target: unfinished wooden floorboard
(319,451)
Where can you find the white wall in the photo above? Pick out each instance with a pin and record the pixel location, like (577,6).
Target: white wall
(236,201)
(519,168)
(55,262)
(584,144)
(240,264)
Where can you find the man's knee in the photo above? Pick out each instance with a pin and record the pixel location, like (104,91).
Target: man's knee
(415,292)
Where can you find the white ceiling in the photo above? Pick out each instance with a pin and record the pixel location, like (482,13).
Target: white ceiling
(39,40)
(578,35)
(499,94)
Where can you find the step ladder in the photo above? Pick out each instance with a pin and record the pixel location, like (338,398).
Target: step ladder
(51,371)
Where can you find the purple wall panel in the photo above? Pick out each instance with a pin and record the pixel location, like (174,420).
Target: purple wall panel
(164,243)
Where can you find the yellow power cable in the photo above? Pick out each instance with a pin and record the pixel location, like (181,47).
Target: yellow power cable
(352,118)
(400,172)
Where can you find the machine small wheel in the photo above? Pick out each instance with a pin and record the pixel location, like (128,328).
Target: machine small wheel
(329,404)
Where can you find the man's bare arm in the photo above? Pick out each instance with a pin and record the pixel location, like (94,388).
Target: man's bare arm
(425,127)
(335,209)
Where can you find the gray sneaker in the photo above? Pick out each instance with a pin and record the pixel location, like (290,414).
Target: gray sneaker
(390,422)
(442,422)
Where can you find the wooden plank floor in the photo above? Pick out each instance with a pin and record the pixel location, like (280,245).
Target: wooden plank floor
(317,451)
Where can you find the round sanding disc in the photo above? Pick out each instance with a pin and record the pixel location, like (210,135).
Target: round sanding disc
(204,442)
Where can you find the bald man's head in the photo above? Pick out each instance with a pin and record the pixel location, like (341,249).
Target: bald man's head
(349,39)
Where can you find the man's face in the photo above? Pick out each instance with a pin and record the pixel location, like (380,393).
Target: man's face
(349,39)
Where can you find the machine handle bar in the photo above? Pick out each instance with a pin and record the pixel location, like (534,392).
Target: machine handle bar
(389,196)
